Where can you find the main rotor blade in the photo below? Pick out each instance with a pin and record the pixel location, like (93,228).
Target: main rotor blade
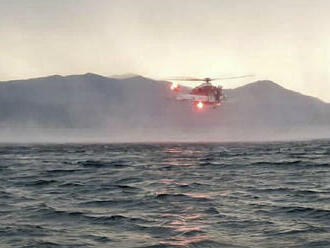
(186,79)
(225,78)
(206,79)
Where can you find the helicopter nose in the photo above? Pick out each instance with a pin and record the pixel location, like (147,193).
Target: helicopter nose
(174,86)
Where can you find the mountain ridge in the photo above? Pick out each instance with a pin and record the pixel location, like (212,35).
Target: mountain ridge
(131,76)
(144,106)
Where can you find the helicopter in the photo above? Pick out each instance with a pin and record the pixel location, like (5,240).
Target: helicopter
(203,95)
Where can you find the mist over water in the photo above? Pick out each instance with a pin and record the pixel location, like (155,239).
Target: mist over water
(165,195)
(156,135)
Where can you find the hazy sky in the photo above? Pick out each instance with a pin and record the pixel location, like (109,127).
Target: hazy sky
(287,41)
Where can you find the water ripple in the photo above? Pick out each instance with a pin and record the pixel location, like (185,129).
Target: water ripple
(165,195)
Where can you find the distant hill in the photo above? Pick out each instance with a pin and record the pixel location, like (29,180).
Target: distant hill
(139,108)
(267,103)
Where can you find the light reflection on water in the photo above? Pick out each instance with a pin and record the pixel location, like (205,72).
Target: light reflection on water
(189,229)
(189,224)
(184,241)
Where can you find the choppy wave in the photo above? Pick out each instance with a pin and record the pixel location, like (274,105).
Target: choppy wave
(165,195)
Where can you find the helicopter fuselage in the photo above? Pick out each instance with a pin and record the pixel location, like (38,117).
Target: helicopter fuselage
(205,93)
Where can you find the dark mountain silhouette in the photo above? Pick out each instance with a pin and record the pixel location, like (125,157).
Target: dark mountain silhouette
(140,107)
